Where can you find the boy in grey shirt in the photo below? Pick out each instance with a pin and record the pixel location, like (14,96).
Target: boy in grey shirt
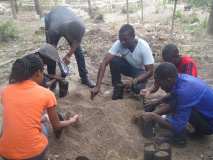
(129,56)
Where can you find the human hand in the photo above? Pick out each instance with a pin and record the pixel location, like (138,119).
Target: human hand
(137,117)
(94,91)
(145,92)
(74,119)
(148,116)
(45,118)
(66,60)
(130,83)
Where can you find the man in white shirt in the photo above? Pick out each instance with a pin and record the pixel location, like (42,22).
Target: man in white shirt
(129,56)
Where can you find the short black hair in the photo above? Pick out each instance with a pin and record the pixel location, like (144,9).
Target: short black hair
(165,70)
(24,68)
(127,28)
(169,51)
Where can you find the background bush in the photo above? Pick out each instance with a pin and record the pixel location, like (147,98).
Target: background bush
(8,31)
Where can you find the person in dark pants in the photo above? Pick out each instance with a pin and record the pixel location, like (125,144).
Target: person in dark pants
(184,64)
(62,22)
(194,99)
(128,56)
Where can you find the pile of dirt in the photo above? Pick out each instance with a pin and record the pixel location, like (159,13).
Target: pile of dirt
(105,131)
(97,42)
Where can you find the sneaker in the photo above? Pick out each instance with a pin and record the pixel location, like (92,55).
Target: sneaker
(88,82)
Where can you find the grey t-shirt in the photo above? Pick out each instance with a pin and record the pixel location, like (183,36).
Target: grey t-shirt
(63,21)
(142,54)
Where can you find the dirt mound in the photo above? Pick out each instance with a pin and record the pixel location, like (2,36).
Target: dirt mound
(97,42)
(105,131)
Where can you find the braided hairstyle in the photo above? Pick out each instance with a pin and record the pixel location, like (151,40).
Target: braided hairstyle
(24,68)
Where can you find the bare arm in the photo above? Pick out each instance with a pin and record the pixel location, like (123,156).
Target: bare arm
(56,123)
(163,122)
(107,59)
(149,72)
(157,118)
(72,50)
(163,109)
(154,88)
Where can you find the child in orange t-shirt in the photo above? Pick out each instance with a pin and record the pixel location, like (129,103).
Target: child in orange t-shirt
(24,101)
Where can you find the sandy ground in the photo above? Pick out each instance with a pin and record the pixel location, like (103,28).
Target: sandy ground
(105,131)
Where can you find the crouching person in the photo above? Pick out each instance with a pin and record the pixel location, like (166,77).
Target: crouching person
(50,57)
(194,101)
(24,102)
(129,56)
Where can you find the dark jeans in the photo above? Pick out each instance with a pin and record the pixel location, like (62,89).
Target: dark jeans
(53,38)
(119,66)
(200,123)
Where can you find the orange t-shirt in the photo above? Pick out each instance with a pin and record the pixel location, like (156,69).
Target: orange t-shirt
(23,105)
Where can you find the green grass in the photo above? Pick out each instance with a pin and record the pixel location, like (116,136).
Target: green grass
(8,31)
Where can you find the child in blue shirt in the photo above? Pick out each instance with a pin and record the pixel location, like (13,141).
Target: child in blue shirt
(194,102)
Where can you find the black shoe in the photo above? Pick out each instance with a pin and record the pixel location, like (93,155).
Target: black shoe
(118,92)
(88,82)
(63,88)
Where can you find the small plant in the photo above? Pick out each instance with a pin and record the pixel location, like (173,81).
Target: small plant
(8,31)
(178,14)
(199,27)
(194,19)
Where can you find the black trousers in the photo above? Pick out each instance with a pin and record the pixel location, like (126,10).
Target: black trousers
(52,38)
(119,66)
(200,123)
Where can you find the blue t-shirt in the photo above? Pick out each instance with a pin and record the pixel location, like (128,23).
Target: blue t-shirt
(191,93)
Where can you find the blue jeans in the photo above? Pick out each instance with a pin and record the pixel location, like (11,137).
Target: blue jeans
(119,66)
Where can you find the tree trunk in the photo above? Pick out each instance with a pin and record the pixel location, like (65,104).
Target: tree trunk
(38,8)
(141,11)
(111,5)
(16,6)
(13,8)
(90,8)
(127,10)
(210,24)
(173,17)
